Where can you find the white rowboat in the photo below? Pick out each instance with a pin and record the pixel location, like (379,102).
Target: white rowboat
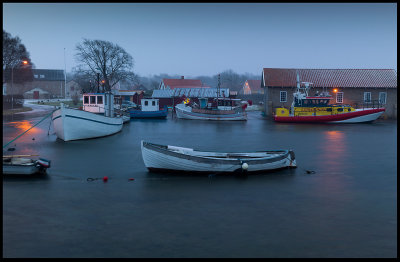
(161,158)
(17,165)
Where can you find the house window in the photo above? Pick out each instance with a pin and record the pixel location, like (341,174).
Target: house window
(35,76)
(153,103)
(86,100)
(382,98)
(146,103)
(99,99)
(41,76)
(93,99)
(367,97)
(339,97)
(283,96)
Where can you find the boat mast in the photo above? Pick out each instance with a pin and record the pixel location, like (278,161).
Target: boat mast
(218,88)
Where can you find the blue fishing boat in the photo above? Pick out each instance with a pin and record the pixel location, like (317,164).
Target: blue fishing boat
(149,108)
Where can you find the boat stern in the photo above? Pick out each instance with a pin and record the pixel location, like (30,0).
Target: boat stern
(292,159)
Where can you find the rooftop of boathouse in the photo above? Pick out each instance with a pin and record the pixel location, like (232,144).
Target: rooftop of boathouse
(356,78)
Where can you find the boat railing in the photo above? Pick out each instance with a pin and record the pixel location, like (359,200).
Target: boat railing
(373,104)
(211,111)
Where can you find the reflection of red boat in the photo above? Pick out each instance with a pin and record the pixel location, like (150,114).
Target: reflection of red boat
(316,109)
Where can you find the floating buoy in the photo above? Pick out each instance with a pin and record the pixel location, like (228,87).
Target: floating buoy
(310,172)
(245,166)
(105,179)
(33,138)
(131,179)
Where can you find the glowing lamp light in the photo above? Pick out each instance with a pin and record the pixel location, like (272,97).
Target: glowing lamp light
(25,62)
(335,90)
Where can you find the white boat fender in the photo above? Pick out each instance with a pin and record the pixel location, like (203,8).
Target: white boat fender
(245,166)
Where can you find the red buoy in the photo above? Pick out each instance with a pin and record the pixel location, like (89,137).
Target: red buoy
(105,179)
(131,179)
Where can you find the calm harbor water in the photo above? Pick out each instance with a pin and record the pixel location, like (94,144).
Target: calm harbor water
(347,208)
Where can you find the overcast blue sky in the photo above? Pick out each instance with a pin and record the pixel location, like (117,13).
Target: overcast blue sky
(196,39)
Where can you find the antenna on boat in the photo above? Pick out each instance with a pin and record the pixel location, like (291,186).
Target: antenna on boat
(218,87)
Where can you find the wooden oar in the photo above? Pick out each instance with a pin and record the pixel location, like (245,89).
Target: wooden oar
(19,156)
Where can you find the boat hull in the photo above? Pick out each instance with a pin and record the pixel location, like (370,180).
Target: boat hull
(160,158)
(20,170)
(185,112)
(22,166)
(72,124)
(148,114)
(358,116)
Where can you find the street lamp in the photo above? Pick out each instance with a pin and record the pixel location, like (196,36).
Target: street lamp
(24,62)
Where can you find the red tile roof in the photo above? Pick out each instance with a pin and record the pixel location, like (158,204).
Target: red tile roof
(281,77)
(182,83)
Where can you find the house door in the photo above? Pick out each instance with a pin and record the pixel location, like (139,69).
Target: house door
(35,94)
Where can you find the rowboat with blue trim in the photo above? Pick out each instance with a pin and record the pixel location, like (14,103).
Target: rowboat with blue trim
(73,124)
(166,158)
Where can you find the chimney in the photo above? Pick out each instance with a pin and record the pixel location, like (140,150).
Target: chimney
(182,77)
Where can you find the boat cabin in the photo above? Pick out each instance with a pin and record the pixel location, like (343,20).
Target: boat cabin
(311,101)
(223,103)
(150,104)
(98,103)
(93,102)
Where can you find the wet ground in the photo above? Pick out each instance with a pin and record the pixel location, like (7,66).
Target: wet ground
(347,207)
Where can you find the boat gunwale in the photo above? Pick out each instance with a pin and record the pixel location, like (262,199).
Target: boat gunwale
(233,160)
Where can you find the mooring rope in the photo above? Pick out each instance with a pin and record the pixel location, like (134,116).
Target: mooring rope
(29,128)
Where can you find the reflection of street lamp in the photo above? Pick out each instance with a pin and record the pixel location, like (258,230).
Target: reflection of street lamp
(24,62)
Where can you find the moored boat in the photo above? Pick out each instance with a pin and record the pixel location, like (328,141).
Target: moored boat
(149,108)
(21,165)
(219,108)
(73,124)
(316,109)
(211,111)
(166,158)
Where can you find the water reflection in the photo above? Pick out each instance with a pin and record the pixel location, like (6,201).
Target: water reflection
(24,125)
(333,150)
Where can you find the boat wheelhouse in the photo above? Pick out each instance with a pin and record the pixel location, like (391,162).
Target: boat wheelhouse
(149,108)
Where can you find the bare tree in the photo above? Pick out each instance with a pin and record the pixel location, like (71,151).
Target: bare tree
(14,52)
(110,60)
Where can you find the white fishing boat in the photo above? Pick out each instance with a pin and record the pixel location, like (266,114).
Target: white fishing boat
(211,111)
(21,165)
(219,108)
(165,158)
(91,122)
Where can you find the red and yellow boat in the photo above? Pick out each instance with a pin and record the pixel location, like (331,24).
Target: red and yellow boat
(316,109)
